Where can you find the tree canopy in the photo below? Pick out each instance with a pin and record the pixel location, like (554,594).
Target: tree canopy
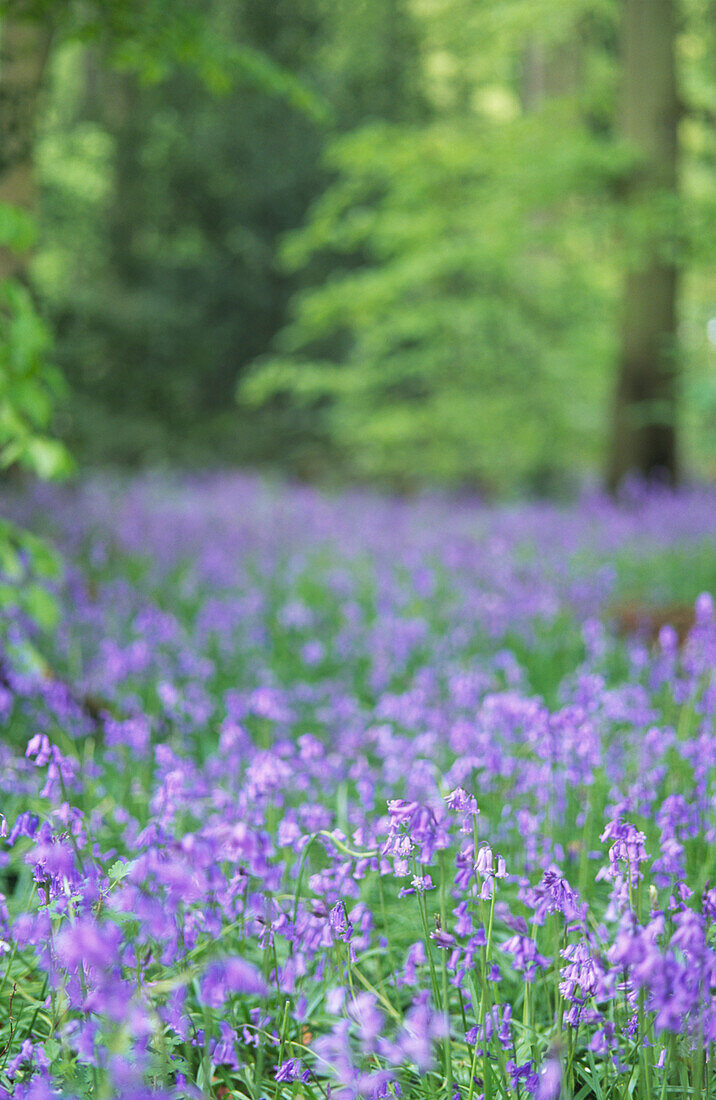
(398,230)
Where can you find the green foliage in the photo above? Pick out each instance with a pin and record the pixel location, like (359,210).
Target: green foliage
(152,37)
(677,574)
(163,205)
(467,329)
(449,308)
(151,40)
(29,384)
(29,566)
(476,300)
(29,387)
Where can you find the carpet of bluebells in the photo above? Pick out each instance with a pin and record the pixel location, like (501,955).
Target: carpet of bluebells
(311,797)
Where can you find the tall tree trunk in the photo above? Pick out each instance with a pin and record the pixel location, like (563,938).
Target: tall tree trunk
(644,429)
(23,56)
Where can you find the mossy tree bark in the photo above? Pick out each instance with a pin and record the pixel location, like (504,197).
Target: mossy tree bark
(644,427)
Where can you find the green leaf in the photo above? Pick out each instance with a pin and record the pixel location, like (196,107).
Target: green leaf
(18,231)
(51,1048)
(47,457)
(119,870)
(10,561)
(40,605)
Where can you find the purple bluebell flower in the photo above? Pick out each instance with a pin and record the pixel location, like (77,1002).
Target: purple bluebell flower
(230,976)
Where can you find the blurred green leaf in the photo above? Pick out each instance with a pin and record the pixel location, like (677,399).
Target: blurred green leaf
(18,231)
(40,605)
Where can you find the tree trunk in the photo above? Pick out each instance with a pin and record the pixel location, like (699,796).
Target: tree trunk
(23,56)
(644,430)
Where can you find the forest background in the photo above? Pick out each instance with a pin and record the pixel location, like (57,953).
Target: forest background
(457,242)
